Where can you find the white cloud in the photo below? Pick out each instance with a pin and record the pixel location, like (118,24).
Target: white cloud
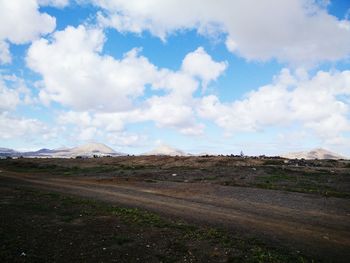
(106,94)
(80,77)
(111,91)
(176,108)
(13,91)
(106,126)
(200,64)
(55,3)
(126,139)
(320,103)
(180,85)
(231,44)
(82,118)
(21,22)
(168,112)
(9,98)
(5,56)
(110,122)
(21,128)
(294,31)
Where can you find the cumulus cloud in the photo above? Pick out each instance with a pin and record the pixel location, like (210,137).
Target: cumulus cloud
(291,31)
(87,126)
(319,103)
(200,64)
(110,92)
(21,128)
(9,98)
(81,77)
(167,112)
(13,91)
(105,94)
(111,122)
(21,22)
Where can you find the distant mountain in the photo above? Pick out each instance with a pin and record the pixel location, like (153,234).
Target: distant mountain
(86,150)
(92,149)
(318,153)
(6,152)
(166,150)
(44,151)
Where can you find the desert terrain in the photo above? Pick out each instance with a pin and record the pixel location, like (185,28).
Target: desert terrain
(174,209)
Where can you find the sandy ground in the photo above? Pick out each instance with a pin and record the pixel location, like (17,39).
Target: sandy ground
(316,225)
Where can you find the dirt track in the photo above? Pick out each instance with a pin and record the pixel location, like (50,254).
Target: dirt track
(316,225)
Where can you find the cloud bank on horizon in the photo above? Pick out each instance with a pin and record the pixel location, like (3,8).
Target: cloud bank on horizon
(205,76)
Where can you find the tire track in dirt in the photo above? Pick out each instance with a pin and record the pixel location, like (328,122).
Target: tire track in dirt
(316,237)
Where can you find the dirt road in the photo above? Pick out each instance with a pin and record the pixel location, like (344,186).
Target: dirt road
(315,225)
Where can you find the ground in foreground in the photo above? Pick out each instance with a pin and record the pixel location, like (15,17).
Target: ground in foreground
(243,209)
(39,226)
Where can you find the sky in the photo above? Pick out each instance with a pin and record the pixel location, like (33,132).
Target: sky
(224,76)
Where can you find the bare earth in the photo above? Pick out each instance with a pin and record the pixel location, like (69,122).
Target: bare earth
(317,225)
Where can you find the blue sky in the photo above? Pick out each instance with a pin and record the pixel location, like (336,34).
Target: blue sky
(202,76)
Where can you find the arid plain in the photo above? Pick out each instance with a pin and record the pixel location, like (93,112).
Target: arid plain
(175,209)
